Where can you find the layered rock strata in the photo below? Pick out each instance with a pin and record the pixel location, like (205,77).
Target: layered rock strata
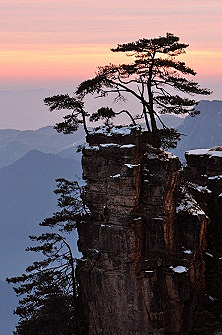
(142,270)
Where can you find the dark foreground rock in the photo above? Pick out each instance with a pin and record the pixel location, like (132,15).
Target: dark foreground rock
(144,247)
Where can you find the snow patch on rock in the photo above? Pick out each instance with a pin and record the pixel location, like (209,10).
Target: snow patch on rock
(180,269)
(215,177)
(115,176)
(130,166)
(189,252)
(127,146)
(106,145)
(188,204)
(208,152)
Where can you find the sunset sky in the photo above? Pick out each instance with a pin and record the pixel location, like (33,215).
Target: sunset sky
(57,43)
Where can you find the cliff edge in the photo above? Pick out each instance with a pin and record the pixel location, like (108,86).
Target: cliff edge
(144,269)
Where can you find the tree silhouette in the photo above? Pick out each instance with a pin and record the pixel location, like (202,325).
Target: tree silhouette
(155,78)
(71,121)
(49,288)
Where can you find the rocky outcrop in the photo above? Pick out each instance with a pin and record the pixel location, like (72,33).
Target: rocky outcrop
(203,177)
(142,270)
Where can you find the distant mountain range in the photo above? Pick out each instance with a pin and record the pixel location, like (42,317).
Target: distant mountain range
(16,143)
(31,160)
(171,121)
(26,198)
(203,130)
(27,178)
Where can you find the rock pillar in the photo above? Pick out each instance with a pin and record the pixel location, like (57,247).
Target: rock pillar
(142,268)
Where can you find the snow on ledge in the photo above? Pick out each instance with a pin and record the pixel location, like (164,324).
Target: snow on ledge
(125,130)
(202,152)
(115,176)
(203,189)
(211,298)
(215,177)
(169,154)
(163,155)
(199,188)
(208,254)
(188,204)
(130,166)
(127,146)
(92,147)
(106,145)
(180,269)
(188,251)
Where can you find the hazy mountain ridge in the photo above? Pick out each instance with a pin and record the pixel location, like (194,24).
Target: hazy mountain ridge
(39,170)
(28,180)
(26,198)
(16,143)
(170,121)
(203,130)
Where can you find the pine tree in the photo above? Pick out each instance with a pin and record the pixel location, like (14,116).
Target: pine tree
(49,303)
(155,78)
(46,308)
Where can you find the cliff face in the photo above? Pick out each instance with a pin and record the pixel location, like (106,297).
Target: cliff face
(142,270)
(205,169)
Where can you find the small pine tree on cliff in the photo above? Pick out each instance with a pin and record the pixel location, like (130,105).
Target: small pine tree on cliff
(46,308)
(155,78)
(49,303)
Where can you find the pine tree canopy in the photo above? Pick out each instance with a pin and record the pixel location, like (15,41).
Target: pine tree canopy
(156,78)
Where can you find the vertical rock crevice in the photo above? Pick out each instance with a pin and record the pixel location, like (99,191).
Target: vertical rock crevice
(142,270)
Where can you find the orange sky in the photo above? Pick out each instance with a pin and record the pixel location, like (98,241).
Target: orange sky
(57,43)
(68,39)
(81,61)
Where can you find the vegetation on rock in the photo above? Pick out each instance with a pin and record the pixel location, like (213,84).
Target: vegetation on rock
(49,289)
(155,79)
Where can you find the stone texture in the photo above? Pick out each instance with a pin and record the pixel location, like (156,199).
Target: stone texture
(142,270)
(207,169)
